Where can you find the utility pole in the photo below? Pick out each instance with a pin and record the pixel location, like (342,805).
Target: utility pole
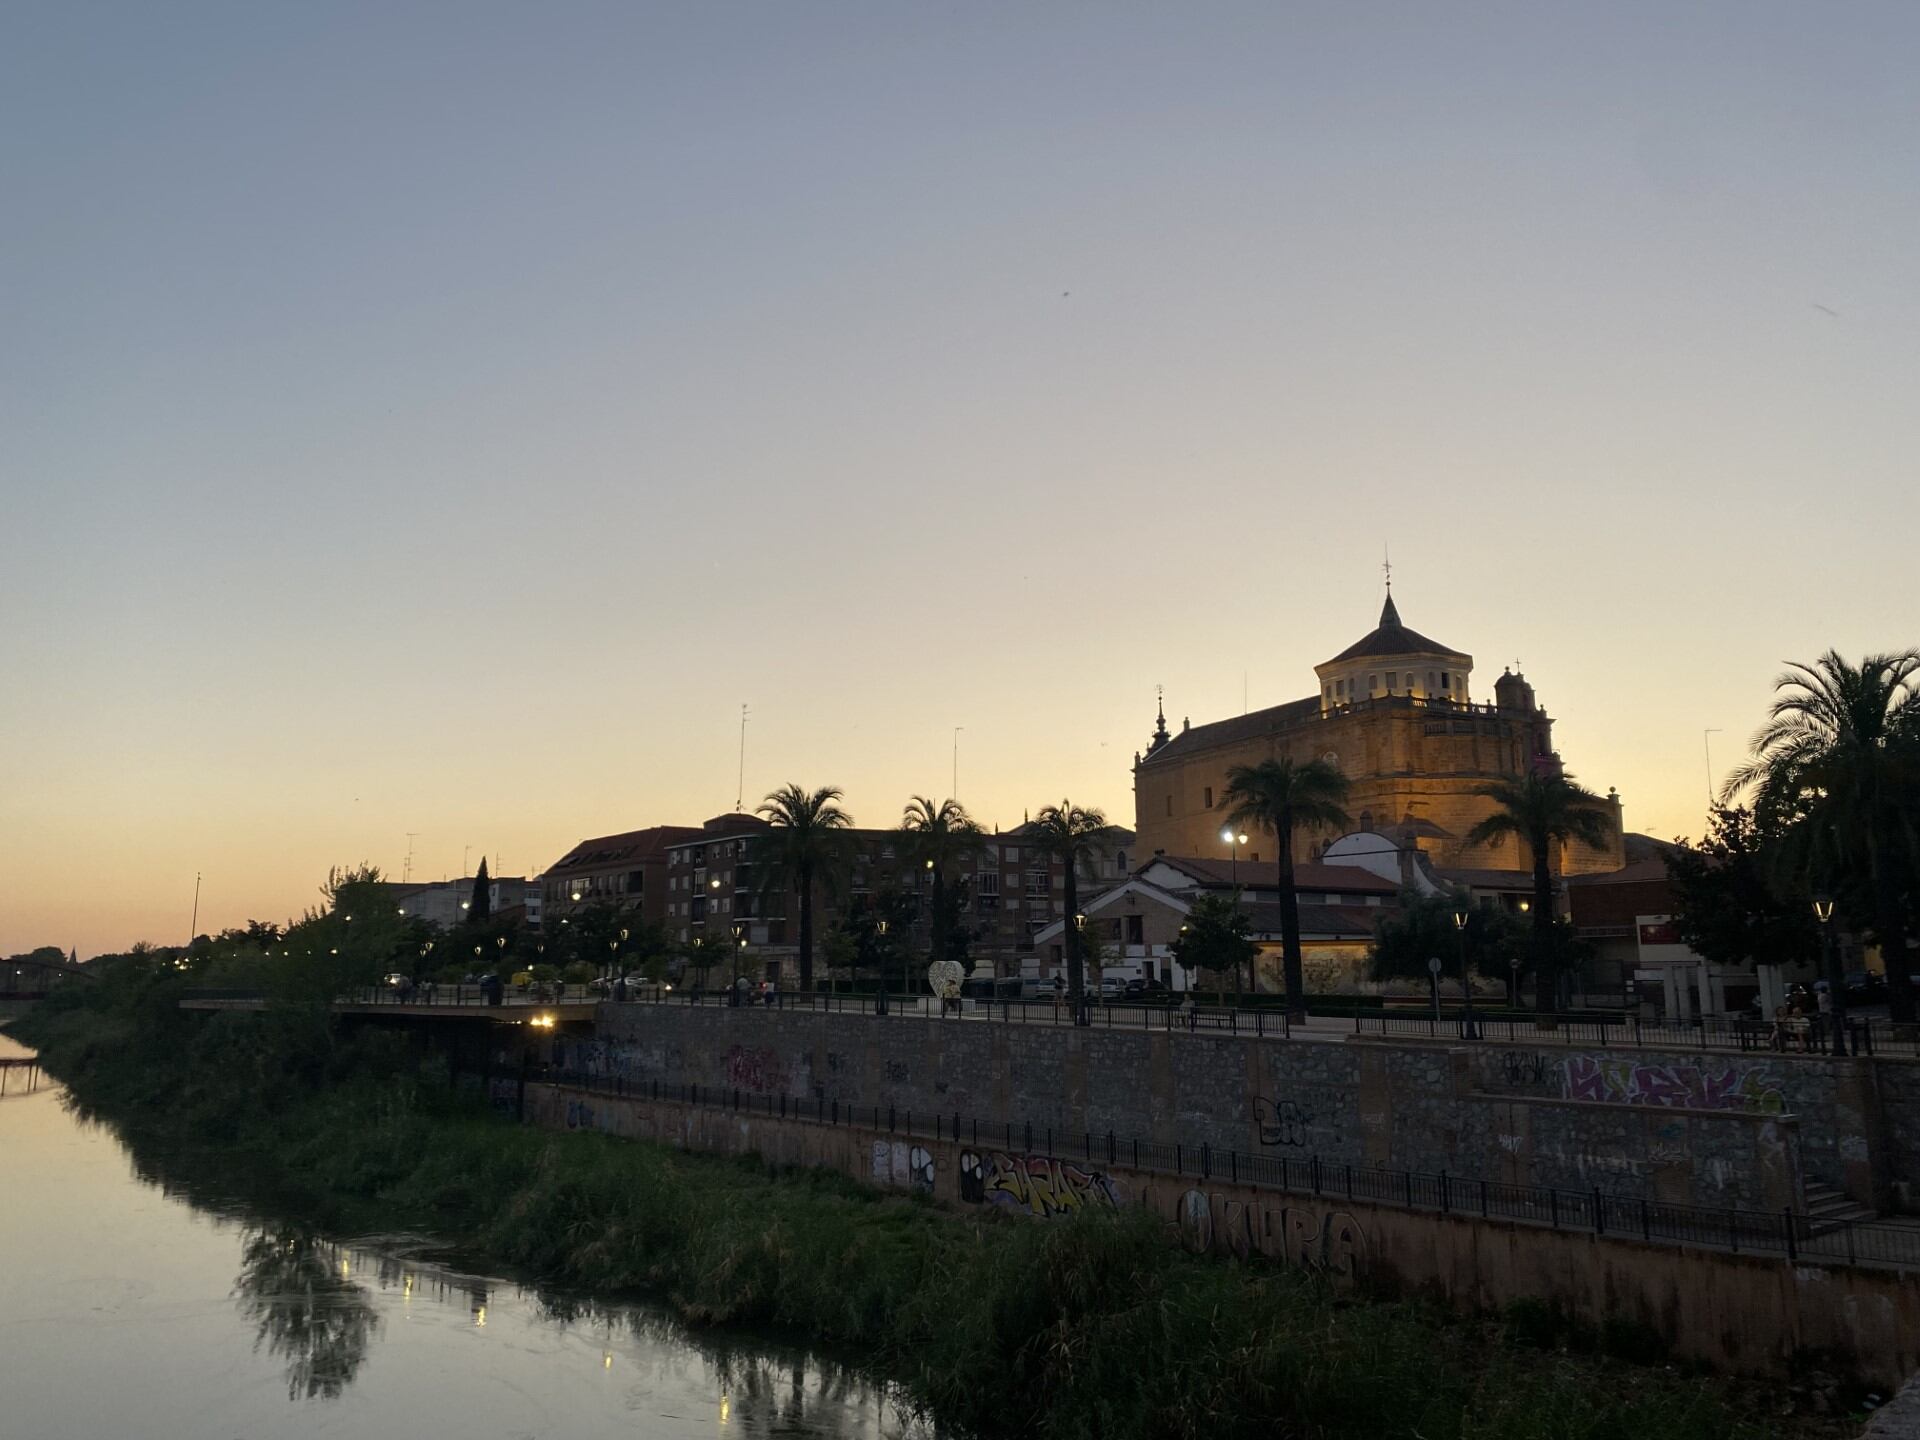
(193,925)
(1706,741)
(740,791)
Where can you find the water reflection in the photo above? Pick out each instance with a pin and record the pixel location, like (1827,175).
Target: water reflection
(306,1310)
(231,1311)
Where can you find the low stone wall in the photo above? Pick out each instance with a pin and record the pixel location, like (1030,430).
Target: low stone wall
(1734,1312)
(1705,1130)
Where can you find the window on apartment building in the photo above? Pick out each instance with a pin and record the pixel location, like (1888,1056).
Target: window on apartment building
(1037,882)
(987,882)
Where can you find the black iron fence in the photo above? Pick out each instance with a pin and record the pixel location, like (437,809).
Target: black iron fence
(1811,1035)
(1792,1234)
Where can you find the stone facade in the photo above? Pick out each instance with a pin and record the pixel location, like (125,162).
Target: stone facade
(1709,1129)
(1414,755)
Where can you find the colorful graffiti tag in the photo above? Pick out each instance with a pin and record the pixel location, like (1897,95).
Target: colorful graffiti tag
(1330,1241)
(908,1166)
(1034,1184)
(1749,1089)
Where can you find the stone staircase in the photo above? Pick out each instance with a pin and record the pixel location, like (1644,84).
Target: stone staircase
(1828,1209)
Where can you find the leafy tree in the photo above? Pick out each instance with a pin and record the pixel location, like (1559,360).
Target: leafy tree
(1543,810)
(703,952)
(801,848)
(1281,796)
(480,908)
(1074,835)
(1422,928)
(950,915)
(1217,936)
(1737,904)
(1837,769)
(938,837)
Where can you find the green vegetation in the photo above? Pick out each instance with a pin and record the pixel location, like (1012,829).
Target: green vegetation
(1544,812)
(1075,835)
(999,1326)
(1216,936)
(804,844)
(1280,796)
(1835,783)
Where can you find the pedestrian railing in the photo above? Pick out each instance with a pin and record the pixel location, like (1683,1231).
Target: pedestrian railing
(1788,1233)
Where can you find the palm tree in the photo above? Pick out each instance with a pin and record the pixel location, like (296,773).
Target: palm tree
(1073,836)
(1542,810)
(1839,761)
(938,837)
(1280,796)
(801,845)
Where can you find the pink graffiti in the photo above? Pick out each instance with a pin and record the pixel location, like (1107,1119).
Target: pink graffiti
(1748,1089)
(757,1070)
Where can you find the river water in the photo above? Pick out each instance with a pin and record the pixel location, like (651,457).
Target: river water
(130,1310)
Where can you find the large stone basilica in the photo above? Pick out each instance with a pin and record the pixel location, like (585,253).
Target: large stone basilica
(1395,711)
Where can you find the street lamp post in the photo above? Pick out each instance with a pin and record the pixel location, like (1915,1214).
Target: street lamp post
(1466,980)
(1836,982)
(880,1000)
(1083,1014)
(1235,839)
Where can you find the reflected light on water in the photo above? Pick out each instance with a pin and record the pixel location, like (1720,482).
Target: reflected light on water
(725,1407)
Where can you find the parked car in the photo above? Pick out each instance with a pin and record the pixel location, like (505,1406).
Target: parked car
(1150,991)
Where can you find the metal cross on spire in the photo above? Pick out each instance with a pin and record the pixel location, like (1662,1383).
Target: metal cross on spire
(1386,563)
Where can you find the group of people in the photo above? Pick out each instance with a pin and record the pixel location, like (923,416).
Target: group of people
(745,992)
(1800,1021)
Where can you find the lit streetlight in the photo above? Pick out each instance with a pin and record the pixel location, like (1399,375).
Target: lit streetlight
(1836,982)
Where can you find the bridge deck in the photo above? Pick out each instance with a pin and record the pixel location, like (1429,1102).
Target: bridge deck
(512,1012)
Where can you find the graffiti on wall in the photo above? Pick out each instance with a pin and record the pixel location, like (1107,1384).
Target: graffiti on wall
(903,1165)
(581,1115)
(1740,1087)
(1330,1241)
(1525,1070)
(1281,1122)
(759,1070)
(1035,1184)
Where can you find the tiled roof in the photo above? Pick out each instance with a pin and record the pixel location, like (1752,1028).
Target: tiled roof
(1269,721)
(1390,637)
(630,847)
(1259,874)
(1486,879)
(1319,921)
(1641,872)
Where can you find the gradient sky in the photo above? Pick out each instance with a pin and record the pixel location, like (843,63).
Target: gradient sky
(440,418)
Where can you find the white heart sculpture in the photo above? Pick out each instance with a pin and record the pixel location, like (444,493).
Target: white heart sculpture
(944,976)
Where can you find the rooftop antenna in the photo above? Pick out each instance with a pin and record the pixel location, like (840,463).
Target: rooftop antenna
(193,925)
(1706,741)
(740,795)
(955,792)
(406,868)
(1243,692)
(465,850)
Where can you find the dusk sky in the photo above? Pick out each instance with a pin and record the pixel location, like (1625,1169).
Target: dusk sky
(441,418)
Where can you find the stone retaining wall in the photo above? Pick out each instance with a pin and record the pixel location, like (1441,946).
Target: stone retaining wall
(1735,1312)
(1706,1130)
